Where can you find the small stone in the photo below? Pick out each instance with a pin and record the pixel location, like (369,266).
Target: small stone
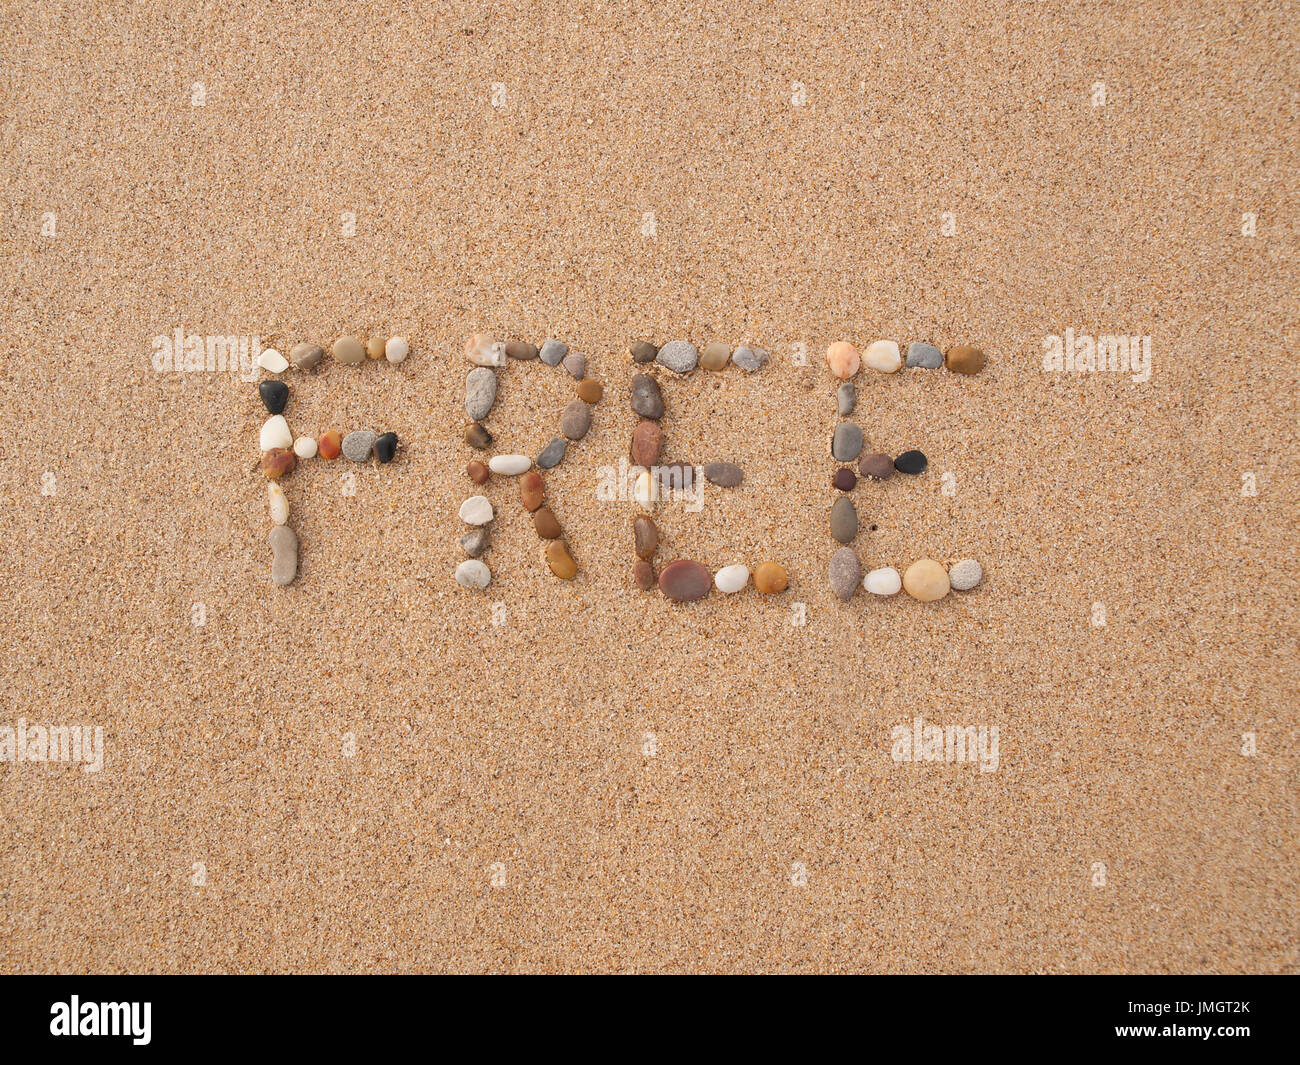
(676,477)
(715,355)
(684,580)
(305,447)
(647,400)
(275,433)
(846,444)
(473,574)
(647,442)
(845,480)
(576,365)
(279,503)
(330,444)
(521,349)
(396,350)
(510,465)
(552,453)
(878,467)
(964,575)
(771,578)
(844,520)
(284,557)
(576,420)
(306,356)
(478,437)
(926,580)
(560,561)
(386,447)
(645,490)
(912,462)
(679,356)
(843,359)
(476,510)
(478,473)
(475,542)
(964,359)
(643,351)
(749,359)
(553,352)
(723,474)
(484,350)
(590,391)
(358,445)
(279,463)
(272,361)
(546,524)
(348,350)
(375,347)
(883,356)
(845,572)
(532,490)
(925,356)
(884,581)
(275,394)
(643,574)
(480,392)
(645,536)
(846,398)
(731,579)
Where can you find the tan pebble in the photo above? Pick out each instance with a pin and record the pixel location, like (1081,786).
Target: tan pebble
(284,561)
(560,561)
(715,356)
(546,524)
(590,391)
(375,347)
(484,350)
(770,578)
(926,580)
(279,503)
(965,359)
(348,350)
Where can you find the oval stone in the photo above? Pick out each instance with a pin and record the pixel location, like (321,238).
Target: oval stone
(546,524)
(306,356)
(845,572)
(883,356)
(846,398)
(684,580)
(643,574)
(473,574)
(645,535)
(480,392)
(844,520)
(723,474)
(679,356)
(576,420)
(520,349)
(476,510)
(771,578)
(510,465)
(964,575)
(878,467)
(926,580)
(532,490)
(647,400)
(716,355)
(965,359)
(731,579)
(843,359)
(552,453)
(845,479)
(912,462)
(553,352)
(590,391)
(560,561)
(846,444)
(647,442)
(883,581)
(478,473)
(924,356)
(348,350)
(643,351)
(358,444)
(284,561)
(386,447)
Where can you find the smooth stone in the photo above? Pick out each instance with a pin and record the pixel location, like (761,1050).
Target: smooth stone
(878,467)
(576,365)
(590,391)
(284,557)
(330,444)
(846,398)
(645,490)
(684,580)
(723,474)
(532,490)
(676,476)
(647,400)
(883,581)
(478,473)
(386,447)
(964,575)
(552,453)
(731,579)
(375,348)
(679,356)
(576,420)
(272,361)
(845,480)
(647,442)
(845,572)
(843,359)
(925,356)
(715,356)
(560,561)
(275,433)
(475,542)
(484,350)
(279,462)
(966,359)
(305,356)
(645,536)
(348,350)
(883,356)
(480,392)
(643,351)
(305,447)
(926,580)
(275,394)
(749,359)
(912,462)
(844,520)
(547,524)
(771,578)
(476,510)
(278,502)
(473,574)
(521,350)
(553,352)
(846,444)
(396,350)
(358,444)
(510,465)
(643,574)
(478,437)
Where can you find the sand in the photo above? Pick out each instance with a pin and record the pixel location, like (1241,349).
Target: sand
(362,772)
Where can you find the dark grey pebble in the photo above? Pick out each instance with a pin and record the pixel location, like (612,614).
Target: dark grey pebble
(552,453)
(275,394)
(643,351)
(846,398)
(475,542)
(911,462)
(647,400)
(723,474)
(553,352)
(386,447)
(846,445)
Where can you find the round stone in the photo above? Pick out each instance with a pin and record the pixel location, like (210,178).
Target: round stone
(647,442)
(348,350)
(278,462)
(749,358)
(475,542)
(924,356)
(878,467)
(330,444)
(553,352)
(844,520)
(643,574)
(278,502)
(480,392)
(510,465)
(846,398)
(532,490)
(396,350)
(723,474)
(964,575)
(275,433)
(284,555)
(679,356)
(643,351)
(647,400)
(476,510)
(845,479)
(884,581)
(546,524)
(478,437)
(473,574)
(846,444)
(358,445)
(306,356)
(590,391)
(478,473)
(843,359)
(731,579)
(275,394)
(965,359)
(883,356)
(912,462)
(715,356)
(560,561)
(272,361)
(375,347)
(484,350)
(386,447)
(576,420)
(684,580)
(771,578)
(645,536)
(926,580)
(845,572)
(551,454)
(305,447)
(521,350)
(575,365)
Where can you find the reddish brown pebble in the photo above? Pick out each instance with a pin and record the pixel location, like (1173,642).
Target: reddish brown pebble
(964,359)
(645,534)
(647,441)
(560,561)
(278,462)
(532,490)
(590,391)
(644,575)
(770,578)
(546,525)
(877,467)
(844,479)
(684,580)
(330,445)
(478,473)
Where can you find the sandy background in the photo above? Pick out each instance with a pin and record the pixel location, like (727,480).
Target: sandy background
(522,744)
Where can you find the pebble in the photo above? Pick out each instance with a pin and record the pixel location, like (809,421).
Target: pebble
(375,347)
(560,561)
(358,444)
(878,467)
(684,580)
(275,394)
(846,444)
(645,490)
(723,474)
(576,420)
(731,579)
(647,442)
(643,351)
(926,580)
(912,462)
(846,398)
(284,555)
(532,490)
(478,437)
(483,350)
(844,520)
(521,349)
(553,352)
(845,479)
(305,447)
(330,444)
(348,350)
(478,473)
(275,433)
(473,574)
(547,524)
(278,463)
(510,465)
(279,503)
(884,581)
(386,447)
(273,361)
(882,355)
(771,578)
(926,356)
(476,510)
(643,574)
(480,392)
(306,356)
(749,359)
(964,359)
(396,350)
(715,356)
(845,572)
(964,575)
(552,453)
(843,359)
(679,356)
(676,476)
(590,391)
(475,542)
(647,400)
(576,365)
(645,535)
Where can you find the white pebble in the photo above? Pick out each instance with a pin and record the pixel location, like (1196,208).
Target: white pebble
(305,447)
(473,574)
(965,574)
(884,581)
(883,355)
(279,503)
(731,578)
(645,490)
(273,361)
(396,349)
(483,350)
(509,464)
(275,433)
(476,510)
